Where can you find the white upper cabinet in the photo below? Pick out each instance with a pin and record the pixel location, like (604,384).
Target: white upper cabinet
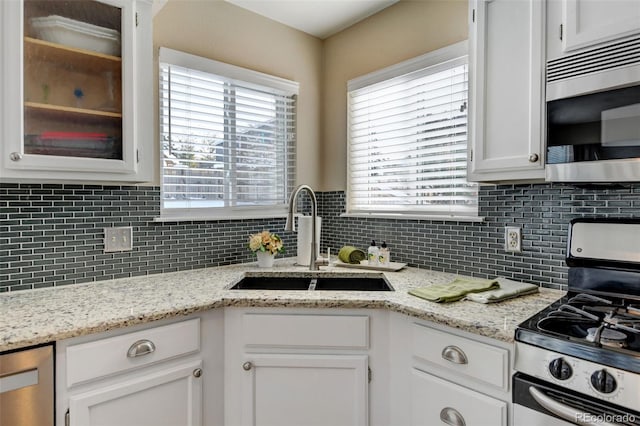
(506,90)
(576,24)
(76,91)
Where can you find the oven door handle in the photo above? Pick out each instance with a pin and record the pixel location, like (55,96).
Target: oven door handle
(564,411)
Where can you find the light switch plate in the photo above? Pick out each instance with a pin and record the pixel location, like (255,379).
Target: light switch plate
(118,239)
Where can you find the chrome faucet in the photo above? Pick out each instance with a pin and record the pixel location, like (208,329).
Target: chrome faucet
(290,224)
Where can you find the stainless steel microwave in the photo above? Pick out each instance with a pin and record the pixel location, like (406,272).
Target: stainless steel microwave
(593,115)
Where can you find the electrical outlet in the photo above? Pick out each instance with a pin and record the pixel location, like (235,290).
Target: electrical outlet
(513,239)
(118,239)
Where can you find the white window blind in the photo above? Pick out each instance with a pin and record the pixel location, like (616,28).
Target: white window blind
(227,136)
(408,139)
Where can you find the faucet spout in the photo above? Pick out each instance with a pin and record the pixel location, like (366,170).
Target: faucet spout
(291,226)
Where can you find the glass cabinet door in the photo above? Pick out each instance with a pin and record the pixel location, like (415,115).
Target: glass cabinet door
(76,89)
(72,79)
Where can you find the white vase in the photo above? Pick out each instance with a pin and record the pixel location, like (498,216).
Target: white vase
(265,259)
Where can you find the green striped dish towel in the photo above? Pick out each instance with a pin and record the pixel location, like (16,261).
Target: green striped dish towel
(454,290)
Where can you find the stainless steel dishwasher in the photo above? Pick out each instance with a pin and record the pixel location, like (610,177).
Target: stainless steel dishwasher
(27,387)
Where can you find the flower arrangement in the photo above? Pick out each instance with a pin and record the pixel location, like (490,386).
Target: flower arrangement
(265,241)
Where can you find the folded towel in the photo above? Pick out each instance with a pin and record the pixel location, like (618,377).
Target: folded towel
(453,291)
(508,289)
(351,254)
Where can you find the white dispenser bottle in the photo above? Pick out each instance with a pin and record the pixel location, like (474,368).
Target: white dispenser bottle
(372,254)
(384,254)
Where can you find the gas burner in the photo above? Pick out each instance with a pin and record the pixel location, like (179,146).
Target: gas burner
(589,298)
(606,337)
(568,328)
(580,312)
(623,322)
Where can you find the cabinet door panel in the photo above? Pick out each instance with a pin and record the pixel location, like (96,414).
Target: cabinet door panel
(434,398)
(163,398)
(506,90)
(308,390)
(589,22)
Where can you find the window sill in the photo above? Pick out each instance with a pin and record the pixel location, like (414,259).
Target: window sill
(403,216)
(211,218)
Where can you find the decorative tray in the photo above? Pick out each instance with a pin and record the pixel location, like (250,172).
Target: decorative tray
(392,267)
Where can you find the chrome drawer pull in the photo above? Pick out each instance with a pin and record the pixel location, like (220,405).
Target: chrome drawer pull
(452,417)
(140,348)
(247,366)
(454,354)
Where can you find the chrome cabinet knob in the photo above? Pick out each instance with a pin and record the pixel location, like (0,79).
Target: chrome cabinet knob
(140,348)
(197,372)
(247,366)
(533,158)
(452,417)
(15,156)
(454,354)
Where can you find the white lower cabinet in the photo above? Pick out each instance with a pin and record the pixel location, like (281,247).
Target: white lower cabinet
(284,366)
(168,396)
(311,390)
(310,367)
(156,374)
(435,401)
(445,376)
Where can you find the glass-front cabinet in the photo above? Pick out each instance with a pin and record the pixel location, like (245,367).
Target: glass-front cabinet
(77,90)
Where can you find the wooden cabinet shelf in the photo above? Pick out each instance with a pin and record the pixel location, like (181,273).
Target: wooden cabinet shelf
(70,56)
(64,110)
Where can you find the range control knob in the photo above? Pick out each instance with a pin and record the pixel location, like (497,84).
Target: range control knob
(560,369)
(603,381)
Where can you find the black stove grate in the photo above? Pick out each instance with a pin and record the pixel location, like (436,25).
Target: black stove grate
(601,330)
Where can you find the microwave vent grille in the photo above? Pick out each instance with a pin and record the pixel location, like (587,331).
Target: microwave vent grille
(603,58)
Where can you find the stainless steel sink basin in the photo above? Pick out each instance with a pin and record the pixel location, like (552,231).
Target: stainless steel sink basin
(311,282)
(272,283)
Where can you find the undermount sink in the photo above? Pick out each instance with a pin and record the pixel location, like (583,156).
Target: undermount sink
(318,282)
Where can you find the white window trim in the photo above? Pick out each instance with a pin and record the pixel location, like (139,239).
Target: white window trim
(413,216)
(263,80)
(441,57)
(410,65)
(231,71)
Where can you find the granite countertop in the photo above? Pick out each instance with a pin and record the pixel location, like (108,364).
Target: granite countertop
(45,315)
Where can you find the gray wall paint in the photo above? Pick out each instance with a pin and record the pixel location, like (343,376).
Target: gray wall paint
(53,234)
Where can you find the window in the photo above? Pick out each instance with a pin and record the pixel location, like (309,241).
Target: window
(227,139)
(408,139)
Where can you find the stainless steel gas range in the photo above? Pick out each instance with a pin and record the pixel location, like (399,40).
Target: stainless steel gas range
(578,360)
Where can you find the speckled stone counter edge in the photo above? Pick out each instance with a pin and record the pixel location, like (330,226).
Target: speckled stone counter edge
(39,316)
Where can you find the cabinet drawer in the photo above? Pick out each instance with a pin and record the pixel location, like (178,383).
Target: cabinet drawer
(87,361)
(462,356)
(317,331)
(435,401)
